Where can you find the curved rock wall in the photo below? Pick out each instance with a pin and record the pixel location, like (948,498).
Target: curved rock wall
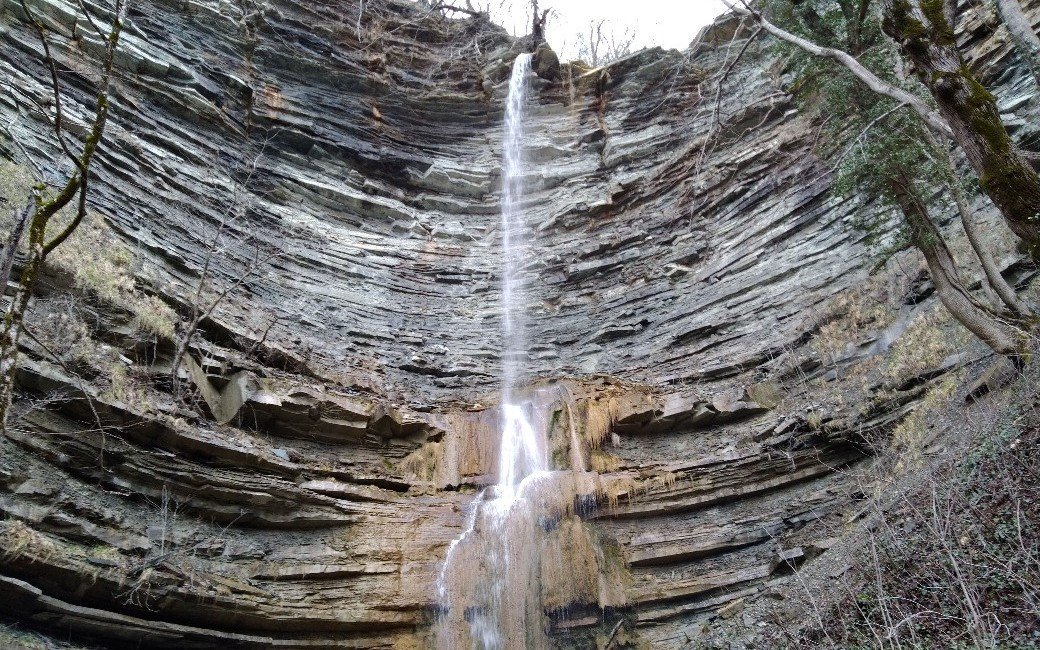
(353,150)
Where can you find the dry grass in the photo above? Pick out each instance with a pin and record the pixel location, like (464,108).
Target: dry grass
(603,462)
(17,540)
(865,386)
(422,463)
(127,386)
(927,341)
(915,432)
(769,394)
(59,323)
(99,264)
(843,320)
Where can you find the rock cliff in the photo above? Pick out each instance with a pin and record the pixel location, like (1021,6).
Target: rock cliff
(334,167)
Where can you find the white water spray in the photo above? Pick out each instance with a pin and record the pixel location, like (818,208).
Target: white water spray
(525,558)
(500,598)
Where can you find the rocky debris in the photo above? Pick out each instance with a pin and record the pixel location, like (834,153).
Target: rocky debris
(675,254)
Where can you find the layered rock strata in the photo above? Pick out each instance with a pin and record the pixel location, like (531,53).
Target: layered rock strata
(681,262)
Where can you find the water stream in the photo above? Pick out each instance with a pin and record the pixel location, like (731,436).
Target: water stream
(525,556)
(489,584)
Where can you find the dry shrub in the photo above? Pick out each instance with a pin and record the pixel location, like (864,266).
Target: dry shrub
(125,385)
(927,341)
(99,264)
(17,540)
(845,317)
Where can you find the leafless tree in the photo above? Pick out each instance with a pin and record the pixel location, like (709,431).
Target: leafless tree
(230,234)
(604,42)
(44,205)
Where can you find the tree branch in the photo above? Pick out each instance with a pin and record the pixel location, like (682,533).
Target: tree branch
(55,85)
(875,83)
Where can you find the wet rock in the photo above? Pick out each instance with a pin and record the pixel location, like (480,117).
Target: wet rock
(305,505)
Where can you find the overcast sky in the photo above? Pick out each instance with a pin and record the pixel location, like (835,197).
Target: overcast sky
(668,23)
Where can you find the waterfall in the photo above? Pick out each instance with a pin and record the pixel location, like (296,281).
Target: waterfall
(524,557)
(489,588)
(522,452)
(514,244)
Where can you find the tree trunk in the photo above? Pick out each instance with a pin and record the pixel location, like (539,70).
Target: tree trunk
(1026,41)
(925,34)
(1004,292)
(1000,336)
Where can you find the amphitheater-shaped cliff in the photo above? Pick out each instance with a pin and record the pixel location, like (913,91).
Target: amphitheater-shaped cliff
(326,176)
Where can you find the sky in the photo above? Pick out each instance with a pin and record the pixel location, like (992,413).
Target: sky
(668,23)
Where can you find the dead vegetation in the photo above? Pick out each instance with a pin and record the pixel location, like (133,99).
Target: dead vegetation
(848,316)
(93,260)
(871,349)
(103,267)
(943,548)
(950,552)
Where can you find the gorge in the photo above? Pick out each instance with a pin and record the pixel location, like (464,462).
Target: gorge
(491,351)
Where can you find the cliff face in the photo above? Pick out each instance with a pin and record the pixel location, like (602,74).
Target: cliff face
(334,166)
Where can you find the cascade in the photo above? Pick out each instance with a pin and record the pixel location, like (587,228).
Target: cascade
(523,553)
(489,587)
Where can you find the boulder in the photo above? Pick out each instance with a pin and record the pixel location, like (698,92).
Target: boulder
(545,63)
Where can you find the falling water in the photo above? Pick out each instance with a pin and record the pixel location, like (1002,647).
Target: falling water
(493,590)
(514,246)
(524,554)
(522,452)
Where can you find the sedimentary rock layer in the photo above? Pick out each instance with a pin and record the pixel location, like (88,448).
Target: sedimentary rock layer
(686,237)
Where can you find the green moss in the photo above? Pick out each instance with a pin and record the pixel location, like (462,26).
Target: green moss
(986,122)
(1004,182)
(978,96)
(904,28)
(559,458)
(942,31)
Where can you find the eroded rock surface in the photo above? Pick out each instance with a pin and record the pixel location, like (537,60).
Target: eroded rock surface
(679,267)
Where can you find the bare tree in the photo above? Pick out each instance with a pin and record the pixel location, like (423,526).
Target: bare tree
(538,20)
(211,291)
(603,42)
(43,206)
